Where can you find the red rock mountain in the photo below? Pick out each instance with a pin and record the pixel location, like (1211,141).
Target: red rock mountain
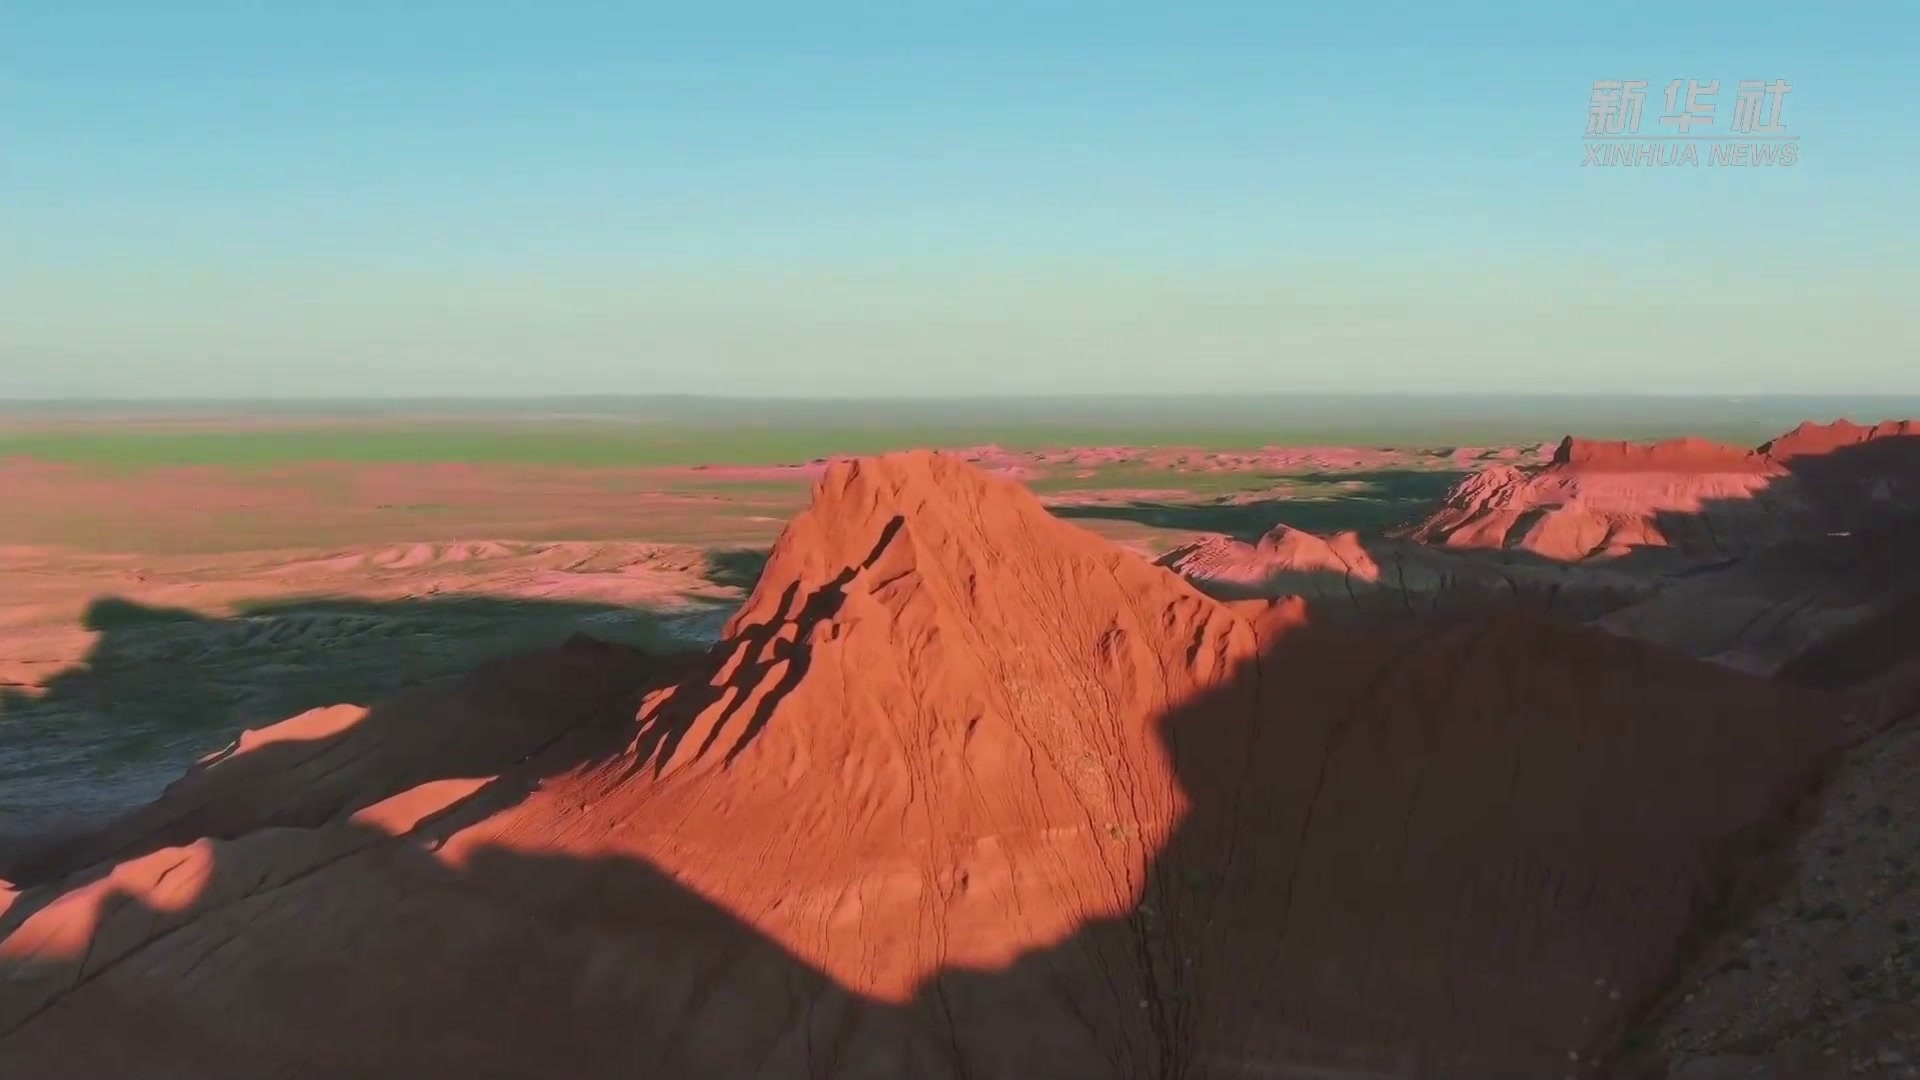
(1684,500)
(965,791)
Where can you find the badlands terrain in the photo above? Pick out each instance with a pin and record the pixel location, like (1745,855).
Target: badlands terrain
(1570,757)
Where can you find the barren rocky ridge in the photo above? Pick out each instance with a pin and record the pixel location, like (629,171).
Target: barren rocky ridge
(966,790)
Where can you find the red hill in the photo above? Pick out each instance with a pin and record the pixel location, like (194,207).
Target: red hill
(1811,439)
(1684,501)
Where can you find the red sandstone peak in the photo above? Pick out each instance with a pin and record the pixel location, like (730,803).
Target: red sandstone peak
(934,518)
(918,599)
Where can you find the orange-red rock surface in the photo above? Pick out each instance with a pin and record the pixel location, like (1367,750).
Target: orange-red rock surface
(1683,499)
(964,791)
(1821,439)
(1668,455)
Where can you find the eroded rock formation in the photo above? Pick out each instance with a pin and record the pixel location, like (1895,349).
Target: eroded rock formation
(964,791)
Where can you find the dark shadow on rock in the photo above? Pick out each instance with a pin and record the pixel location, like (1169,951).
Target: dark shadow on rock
(737,568)
(1845,555)
(159,687)
(773,649)
(1863,651)
(109,614)
(1438,848)
(1859,481)
(556,707)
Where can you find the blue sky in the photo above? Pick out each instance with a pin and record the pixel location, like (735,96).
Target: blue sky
(361,199)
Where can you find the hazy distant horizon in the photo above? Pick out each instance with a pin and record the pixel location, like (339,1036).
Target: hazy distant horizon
(1379,418)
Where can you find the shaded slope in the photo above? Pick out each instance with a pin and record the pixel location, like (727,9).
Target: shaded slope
(1776,603)
(1823,981)
(103,718)
(1862,651)
(969,792)
(328,763)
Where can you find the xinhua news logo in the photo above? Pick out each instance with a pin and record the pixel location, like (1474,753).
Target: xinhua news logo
(1755,135)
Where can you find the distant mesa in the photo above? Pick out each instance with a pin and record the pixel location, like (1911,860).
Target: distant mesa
(1683,501)
(1810,439)
(1680,455)
(1691,454)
